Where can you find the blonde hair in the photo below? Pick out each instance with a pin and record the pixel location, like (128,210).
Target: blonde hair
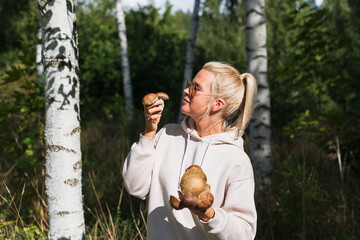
(237,90)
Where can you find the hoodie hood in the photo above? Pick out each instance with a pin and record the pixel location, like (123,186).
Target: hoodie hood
(188,125)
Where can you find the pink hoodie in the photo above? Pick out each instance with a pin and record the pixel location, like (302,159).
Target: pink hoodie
(153,169)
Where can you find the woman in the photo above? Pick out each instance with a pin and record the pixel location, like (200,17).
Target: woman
(218,104)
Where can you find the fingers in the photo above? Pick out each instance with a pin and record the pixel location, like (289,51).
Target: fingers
(153,112)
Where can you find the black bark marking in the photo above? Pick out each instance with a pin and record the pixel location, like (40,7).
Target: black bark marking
(49,100)
(51,31)
(63,238)
(72,182)
(57,148)
(258,147)
(62,213)
(255,26)
(77,165)
(66,100)
(259,56)
(259,138)
(46,17)
(255,49)
(69,6)
(75,83)
(262,106)
(62,60)
(75,130)
(51,46)
(262,87)
(47,176)
(51,2)
(262,125)
(76,109)
(77,71)
(253,10)
(50,83)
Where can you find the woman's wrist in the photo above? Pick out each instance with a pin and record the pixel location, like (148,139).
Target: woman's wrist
(149,134)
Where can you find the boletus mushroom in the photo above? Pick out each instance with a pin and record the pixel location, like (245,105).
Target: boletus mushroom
(151,98)
(195,192)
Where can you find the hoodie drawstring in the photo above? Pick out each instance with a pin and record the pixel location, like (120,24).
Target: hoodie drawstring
(207,148)
(183,158)
(182,161)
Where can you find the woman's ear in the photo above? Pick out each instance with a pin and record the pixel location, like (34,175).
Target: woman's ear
(218,104)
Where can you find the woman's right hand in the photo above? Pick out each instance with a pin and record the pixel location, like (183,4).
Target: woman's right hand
(152,114)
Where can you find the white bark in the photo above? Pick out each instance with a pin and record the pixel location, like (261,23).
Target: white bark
(124,60)
(39,66)
(62,121)
(190,52)
(260,131)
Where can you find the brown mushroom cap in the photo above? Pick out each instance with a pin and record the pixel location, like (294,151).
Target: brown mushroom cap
(195,170)
(205,200)
(189,200)
(193,185)
(162,95)
(193,181)
(149,99)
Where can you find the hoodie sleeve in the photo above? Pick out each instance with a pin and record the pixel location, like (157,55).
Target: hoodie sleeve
(138,166)
(236,219)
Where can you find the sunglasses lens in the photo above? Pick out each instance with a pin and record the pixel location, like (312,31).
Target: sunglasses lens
(192,89)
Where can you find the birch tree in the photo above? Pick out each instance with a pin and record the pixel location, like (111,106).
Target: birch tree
(260,132)
(39,66)
(124,60)
(62,120)
(190,51)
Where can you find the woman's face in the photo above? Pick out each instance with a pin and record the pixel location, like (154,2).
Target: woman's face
(198,94)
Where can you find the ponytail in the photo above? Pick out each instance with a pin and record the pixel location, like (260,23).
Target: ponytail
(246,107)
(239,92)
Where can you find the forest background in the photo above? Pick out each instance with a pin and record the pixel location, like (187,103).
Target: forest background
(314,72)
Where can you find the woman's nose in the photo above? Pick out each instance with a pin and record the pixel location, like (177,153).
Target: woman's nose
(186,91)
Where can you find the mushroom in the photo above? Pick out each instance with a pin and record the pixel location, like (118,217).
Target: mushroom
(151,98)
(195,192)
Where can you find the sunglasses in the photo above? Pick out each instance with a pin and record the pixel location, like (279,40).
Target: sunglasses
(193,89)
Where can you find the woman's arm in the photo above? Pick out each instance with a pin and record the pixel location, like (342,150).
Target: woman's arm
(236,219)
(137,169)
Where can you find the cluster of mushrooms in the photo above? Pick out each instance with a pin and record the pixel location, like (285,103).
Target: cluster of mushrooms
(195,192)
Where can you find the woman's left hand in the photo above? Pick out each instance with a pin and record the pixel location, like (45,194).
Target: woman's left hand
(204,216)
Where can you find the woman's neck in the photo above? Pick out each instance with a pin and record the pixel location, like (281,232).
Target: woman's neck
(205,127)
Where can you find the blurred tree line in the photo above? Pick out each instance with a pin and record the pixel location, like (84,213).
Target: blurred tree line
(314,68)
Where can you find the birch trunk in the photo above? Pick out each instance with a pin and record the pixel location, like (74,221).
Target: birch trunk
(260,131)
(62,120)
(39,66)
(190,52)
(124,60)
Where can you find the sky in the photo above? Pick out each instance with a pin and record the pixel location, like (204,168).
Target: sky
(184,5)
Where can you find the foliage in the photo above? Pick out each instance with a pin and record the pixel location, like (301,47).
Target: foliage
(16,19)
(21,130)
(161,58)
(221,35)
(11,231)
